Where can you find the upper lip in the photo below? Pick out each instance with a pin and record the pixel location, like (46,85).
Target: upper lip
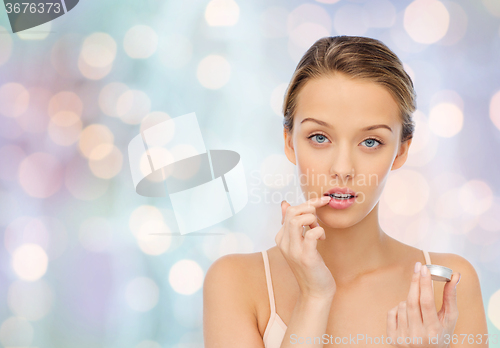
(343,190)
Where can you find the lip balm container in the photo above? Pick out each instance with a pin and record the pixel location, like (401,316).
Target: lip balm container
(440,273)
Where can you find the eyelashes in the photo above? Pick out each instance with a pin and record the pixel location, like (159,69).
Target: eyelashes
(320,135)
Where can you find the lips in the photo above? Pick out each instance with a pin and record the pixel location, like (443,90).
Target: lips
(343,190)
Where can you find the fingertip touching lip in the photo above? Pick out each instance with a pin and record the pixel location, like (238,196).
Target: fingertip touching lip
(343,190)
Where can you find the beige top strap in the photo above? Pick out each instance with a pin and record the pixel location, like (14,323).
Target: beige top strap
(269,281)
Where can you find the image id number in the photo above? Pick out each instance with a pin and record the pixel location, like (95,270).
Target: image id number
(33,7)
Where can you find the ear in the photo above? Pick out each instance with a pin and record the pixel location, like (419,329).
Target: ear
(289,150)
(402,154)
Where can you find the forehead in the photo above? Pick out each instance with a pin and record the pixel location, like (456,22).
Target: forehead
(339,99)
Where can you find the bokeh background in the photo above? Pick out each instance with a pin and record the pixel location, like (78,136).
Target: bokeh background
(79,265)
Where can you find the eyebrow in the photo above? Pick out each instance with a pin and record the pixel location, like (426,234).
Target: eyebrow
(323,123)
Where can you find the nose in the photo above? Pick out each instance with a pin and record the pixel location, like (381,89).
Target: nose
(342,165)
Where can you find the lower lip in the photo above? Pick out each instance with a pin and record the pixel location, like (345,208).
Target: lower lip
(341,203)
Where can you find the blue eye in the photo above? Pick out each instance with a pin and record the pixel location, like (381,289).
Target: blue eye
(370,143)
(321,138)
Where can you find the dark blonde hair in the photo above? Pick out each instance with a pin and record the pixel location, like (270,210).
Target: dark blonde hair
(357,57)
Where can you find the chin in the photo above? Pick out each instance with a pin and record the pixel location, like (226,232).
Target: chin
(337,220)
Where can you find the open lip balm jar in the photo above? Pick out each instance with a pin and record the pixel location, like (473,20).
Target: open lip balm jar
(440,273)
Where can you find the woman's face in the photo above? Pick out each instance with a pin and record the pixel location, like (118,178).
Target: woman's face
(333,147)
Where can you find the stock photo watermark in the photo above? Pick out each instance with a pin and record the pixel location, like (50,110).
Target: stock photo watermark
(417,340)
(204,186)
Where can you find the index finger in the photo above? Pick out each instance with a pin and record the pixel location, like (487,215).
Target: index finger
(413,299)
(427,303)
(308,206)
(318,201)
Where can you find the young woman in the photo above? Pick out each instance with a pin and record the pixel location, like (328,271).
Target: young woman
(335,278)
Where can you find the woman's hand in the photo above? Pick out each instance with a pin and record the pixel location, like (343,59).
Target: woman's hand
(416,319)
(314,278)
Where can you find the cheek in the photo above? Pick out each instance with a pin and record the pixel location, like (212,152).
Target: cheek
(309,159)
(379,166)
(314,173)
(372,174)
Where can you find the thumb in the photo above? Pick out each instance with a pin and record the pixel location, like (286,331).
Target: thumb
(450,295)
(284,206)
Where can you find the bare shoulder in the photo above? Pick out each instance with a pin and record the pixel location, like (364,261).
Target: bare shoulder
(458,264)
(234,271)
(229,311)
(469,284)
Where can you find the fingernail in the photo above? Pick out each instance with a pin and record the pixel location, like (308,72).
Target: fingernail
(282,202)
(459,276)
(325,198)
(417,266)
(423,270)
